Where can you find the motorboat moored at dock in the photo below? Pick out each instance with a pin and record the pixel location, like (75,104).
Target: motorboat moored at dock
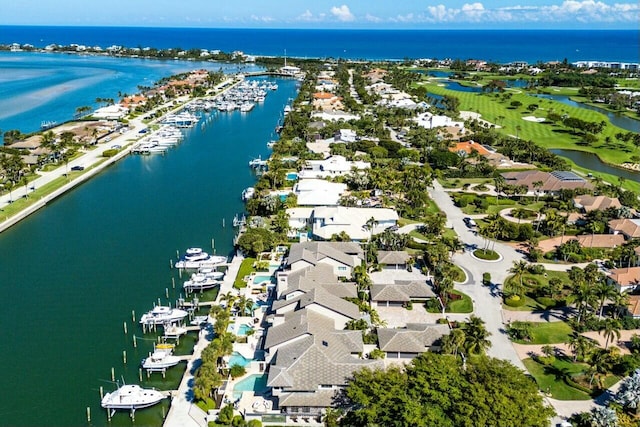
(163,314)
(131,397)
(196,258)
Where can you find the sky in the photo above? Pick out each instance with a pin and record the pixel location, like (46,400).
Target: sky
(357,14)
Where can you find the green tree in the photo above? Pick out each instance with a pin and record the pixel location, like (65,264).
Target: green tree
(610,329)
(476,336)
(438,390)
(518,270)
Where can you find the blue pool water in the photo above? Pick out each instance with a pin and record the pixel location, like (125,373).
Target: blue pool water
(255,382)
(292,176)
(244,329)
(261,279)
(238,359)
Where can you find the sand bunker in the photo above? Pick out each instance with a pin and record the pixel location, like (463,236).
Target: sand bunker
(533,119)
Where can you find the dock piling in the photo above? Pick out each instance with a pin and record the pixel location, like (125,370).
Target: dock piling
(124,324)
(88,414)
(135,343)
(113,374)
(177,254)
(140,374)
(133,315)
(166,292)
(101,393)
(124,356)
(173,282)
(170,263)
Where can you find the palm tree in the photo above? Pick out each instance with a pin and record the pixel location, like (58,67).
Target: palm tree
(600,363)
(537,185)
(369,226)
(499,184)
(610,328)
(580,346)
(518,270)
(604,291)
(476,336)
(453,342)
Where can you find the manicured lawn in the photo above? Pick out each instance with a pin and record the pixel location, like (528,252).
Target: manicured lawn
(495,110)
(549,333)
(487,254)
(529,305)
(534,280)
(246,268)
(458,275)
(464,305)
(548,381)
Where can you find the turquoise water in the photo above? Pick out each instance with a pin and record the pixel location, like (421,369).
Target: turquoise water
(292,176)
(36,87)
(243,330)
(238,359)
(255,382)
(73,272)
(261,279)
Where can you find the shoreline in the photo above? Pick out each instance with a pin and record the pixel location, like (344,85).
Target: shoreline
(93,162)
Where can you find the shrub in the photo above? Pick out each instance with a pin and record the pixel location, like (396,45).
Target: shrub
(237,371)
(536,269)
(376,353)
(571,383)
(238,421)
(408,305)
(110,152)
(514,301)
(545,360)
(486,278)
(546,302)
(442,321)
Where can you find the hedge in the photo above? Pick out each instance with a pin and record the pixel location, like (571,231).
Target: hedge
(514,301)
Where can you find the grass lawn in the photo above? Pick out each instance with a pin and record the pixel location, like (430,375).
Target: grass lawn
(458,275)
(246,268)
(495,110)
(549,333)
(529,305)
(487,255)
(548,381)
(533,280)
(464,305)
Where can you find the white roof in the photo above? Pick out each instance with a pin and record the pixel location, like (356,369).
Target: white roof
(430,121)
(318,192)
(335,116)
(299,213)
(351,220)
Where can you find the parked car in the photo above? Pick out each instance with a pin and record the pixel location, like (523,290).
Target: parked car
(77,168)
(469,222)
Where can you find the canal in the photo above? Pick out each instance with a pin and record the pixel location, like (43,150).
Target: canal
(73,273)
(592,162)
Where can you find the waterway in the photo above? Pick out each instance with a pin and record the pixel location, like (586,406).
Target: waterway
(619,120)
(592,162)
(73,272)
(37,87)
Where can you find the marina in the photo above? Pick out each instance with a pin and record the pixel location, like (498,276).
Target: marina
(135,202)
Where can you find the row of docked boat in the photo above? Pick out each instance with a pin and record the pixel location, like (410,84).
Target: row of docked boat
(159,142)
(183,119)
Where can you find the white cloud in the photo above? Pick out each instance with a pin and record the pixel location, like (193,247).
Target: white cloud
(265,19)
(372,18)
(342,13)
(591,11)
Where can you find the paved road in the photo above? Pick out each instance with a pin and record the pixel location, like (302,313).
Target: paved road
(487,301)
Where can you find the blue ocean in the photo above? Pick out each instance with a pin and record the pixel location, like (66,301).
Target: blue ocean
(493,45)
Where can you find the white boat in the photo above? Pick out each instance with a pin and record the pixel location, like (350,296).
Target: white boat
(161,358)
(247,106)
(199,320)
(196,258)
(248,193)
(270,144)
(174,331)
(162,314)
(131,396)
(200,282)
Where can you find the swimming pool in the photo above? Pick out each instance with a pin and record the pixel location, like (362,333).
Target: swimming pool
(261,279)
(256,383)
(244,329)
(292,176)
(238,359)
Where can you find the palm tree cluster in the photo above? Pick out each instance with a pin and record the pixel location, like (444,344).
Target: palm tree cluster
(471,337)
(212,371)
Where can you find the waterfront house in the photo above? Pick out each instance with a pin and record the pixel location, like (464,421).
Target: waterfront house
(546,182)
(431,121)
(110,112)
(629,228)
(400,293)
(587,203)
(292,284)
(327,221)
(625,279)
(320,301)
(318,192)
(311,363)
(404,344)
(331,167)
(341,256)
(334,116)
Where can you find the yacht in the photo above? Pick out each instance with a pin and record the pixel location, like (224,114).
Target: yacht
(162,314)
(248,193)
(174,331)
(200,282)
(161,358)
(131,396)
(197,258)
(247,106)
(200,320)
